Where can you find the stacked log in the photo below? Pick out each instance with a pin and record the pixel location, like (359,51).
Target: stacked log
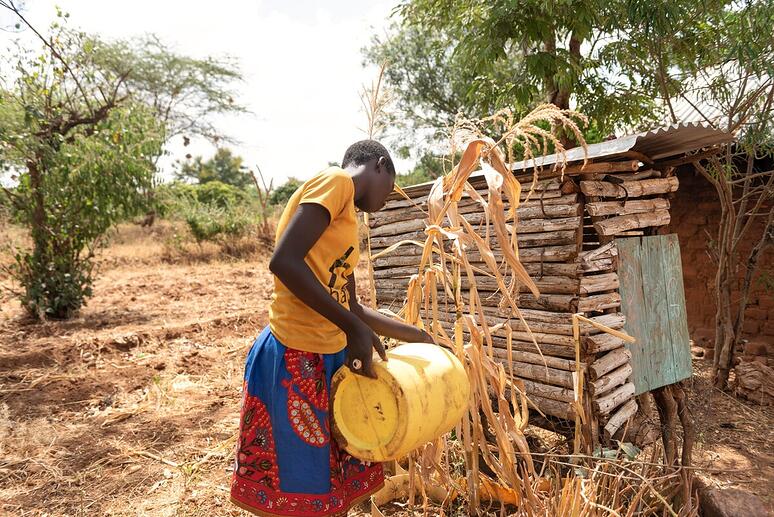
(548,220)
(643,205)
(618,204)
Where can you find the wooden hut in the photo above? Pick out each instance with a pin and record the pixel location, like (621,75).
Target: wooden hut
(593,241)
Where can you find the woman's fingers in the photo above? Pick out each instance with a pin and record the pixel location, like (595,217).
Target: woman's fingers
(379,347)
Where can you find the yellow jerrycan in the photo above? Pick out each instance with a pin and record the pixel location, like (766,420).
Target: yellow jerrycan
(420,393)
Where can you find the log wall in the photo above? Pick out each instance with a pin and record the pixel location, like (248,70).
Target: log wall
(566,230)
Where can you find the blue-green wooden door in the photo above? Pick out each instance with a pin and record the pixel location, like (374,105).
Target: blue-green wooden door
(653,300)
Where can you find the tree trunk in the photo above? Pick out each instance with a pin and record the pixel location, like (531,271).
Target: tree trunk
(724,333)
(667,412)
(39,210)
(40,240)
(560,96)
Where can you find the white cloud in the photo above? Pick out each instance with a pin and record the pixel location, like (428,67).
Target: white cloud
(301,60)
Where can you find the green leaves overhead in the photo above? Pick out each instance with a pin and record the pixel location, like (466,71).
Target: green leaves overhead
(616,61)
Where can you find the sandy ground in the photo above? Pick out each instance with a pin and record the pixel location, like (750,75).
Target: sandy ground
(132,407)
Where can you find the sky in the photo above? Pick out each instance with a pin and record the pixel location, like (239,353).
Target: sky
(301,61)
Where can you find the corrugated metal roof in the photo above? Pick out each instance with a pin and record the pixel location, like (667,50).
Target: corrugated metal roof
(658,143)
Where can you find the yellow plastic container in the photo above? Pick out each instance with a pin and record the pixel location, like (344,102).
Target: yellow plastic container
(420,393)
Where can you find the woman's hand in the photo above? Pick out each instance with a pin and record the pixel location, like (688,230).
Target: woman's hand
(426,338)
(361,343)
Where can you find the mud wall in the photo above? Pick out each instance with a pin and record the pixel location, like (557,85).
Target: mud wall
(695,215)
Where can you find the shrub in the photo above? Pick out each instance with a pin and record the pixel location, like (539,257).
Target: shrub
(210,223)
(281,194)
(77,191)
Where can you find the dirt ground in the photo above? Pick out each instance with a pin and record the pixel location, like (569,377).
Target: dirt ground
(132,407)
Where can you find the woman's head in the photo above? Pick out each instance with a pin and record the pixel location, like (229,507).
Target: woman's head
(372,166)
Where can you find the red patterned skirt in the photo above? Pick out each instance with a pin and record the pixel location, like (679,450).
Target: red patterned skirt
(287,464)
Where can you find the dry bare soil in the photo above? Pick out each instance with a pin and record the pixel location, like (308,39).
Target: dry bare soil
(132,407)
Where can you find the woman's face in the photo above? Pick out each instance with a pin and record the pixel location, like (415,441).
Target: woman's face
(381,183)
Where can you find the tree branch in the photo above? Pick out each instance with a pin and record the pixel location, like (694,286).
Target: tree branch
(752,176)
(13,197)
(9,4)
(759,203)
(766,240)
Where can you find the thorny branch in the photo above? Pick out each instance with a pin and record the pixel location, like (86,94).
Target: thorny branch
(11,6)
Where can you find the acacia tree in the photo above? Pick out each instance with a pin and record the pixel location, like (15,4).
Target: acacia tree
(82,127)
(184,92)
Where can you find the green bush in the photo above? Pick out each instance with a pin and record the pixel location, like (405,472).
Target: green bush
(76,191)
(212,212)
(174,199)
(213,224)
(281,194)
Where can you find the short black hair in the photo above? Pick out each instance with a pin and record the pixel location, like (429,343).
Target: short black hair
(365,151)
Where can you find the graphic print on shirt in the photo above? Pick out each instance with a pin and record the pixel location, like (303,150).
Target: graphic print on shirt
(338,269)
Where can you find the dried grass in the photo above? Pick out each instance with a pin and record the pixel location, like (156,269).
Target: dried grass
(498,403)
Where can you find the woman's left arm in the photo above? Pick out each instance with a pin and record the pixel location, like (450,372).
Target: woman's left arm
(384,325)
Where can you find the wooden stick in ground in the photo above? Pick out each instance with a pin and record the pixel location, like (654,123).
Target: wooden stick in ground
(578,386)
(688,438)
(667,412)
(687,422)
(263,197)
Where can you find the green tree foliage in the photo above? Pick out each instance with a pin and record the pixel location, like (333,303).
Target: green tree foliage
(183,92)
(615,61)
(224,167)
(428,168)
(84,155)
(281,194)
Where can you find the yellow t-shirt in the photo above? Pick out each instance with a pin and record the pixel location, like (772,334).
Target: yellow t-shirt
(332,259)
